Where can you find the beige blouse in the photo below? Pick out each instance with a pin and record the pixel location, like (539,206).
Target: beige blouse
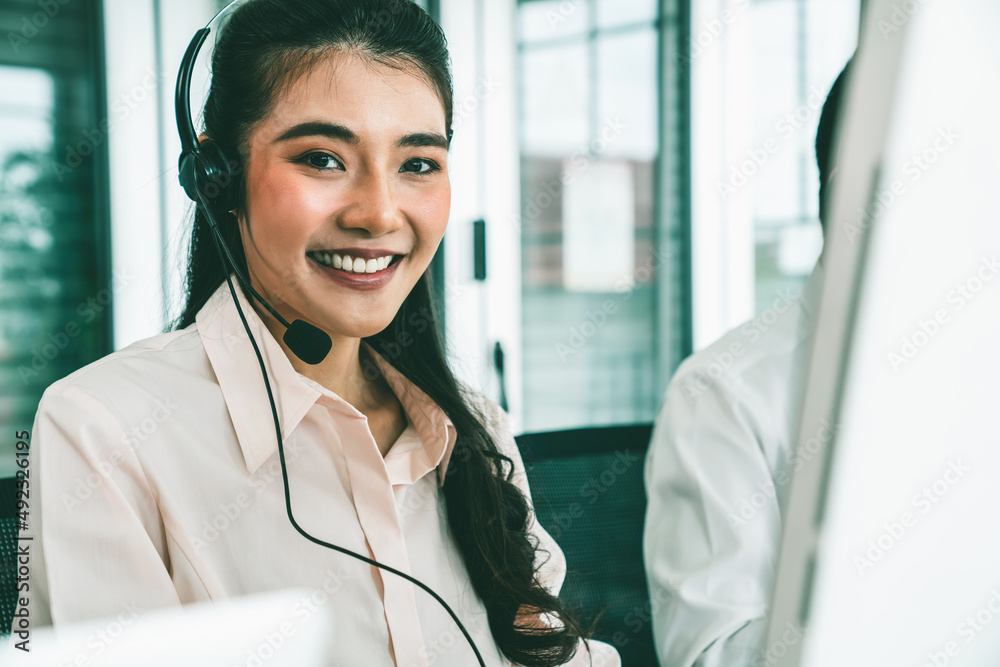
(157,483)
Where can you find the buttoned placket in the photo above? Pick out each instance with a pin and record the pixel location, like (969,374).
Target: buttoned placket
(375,504)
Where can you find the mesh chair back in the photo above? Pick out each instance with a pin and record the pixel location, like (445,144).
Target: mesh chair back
(588,493)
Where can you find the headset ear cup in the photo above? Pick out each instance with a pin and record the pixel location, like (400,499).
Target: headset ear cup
(188,171)
(215,177)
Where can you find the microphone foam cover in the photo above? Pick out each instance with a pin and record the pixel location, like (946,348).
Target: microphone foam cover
(308,343)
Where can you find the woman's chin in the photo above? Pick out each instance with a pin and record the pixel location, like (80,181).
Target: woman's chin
(355,329)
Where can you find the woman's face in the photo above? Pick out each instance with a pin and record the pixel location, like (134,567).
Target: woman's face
(348,194)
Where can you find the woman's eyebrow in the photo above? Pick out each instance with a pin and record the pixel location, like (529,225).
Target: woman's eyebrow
(342,133)
(319,129)
(423,140)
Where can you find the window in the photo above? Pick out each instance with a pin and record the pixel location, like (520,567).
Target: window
(55,293)
(589,239)
(798,49)
(761,71)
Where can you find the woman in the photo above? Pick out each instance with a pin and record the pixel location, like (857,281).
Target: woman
(158,465)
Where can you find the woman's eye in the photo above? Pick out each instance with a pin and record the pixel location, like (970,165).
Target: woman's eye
(419,166)
(322,161)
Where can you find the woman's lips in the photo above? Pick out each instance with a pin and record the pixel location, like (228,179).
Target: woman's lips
(383,269)
(357,261)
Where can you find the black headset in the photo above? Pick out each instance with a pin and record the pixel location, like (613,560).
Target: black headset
(207,174)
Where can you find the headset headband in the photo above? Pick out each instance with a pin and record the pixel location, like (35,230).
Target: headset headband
(182,105)
(204,169)
(185,123)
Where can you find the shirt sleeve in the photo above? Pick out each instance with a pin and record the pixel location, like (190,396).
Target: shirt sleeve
(550,562)
(99,542)
(711,525)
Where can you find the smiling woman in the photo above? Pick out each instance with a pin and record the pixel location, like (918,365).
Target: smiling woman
(335,116)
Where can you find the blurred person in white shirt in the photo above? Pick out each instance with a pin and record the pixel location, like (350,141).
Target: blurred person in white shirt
(719,465)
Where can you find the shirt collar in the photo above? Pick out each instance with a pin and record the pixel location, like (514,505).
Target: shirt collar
(235,365)
(433,427)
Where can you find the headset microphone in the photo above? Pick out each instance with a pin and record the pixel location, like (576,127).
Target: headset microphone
(206,175)
(307,342)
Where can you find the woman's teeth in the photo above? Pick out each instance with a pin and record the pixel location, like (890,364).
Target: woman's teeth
(352,264)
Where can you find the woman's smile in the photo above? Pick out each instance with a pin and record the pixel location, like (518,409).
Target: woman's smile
(355,261)
(356,268)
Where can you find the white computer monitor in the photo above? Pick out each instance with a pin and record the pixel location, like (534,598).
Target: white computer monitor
(281,629)
(891,545)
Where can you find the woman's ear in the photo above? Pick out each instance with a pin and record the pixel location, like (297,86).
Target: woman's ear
(203,138)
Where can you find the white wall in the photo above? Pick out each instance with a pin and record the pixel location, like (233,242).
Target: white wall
(149,215)
(722,233)
(485,185)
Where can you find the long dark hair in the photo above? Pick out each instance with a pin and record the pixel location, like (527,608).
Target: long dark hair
(264,46)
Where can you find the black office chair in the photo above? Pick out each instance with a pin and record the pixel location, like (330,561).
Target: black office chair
(588,492)
(8,559)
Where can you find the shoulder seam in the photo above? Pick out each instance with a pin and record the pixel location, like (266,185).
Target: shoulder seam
(125,353)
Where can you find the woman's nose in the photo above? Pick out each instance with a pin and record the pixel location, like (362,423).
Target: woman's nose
(374,209)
